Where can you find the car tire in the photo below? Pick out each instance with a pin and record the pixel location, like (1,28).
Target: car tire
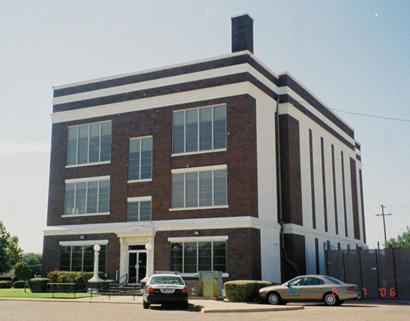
(145,305)
(184,306)
(330,299)
(273,298)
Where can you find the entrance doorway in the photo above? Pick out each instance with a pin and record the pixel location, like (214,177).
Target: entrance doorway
(137,265)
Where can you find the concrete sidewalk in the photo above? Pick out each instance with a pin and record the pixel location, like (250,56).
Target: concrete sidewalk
(196,304)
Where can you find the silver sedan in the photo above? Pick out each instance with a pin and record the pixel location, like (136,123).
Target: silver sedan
(311,288)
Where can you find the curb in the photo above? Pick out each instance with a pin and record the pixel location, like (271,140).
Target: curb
(240,310)
(66,301)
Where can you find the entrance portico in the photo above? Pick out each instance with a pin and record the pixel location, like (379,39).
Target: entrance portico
(136,253)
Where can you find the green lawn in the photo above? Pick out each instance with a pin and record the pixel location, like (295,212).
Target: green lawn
(19,293)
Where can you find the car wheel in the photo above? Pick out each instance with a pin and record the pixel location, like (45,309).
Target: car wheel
(273,298)
(184,306)
(331,299)
(145,305)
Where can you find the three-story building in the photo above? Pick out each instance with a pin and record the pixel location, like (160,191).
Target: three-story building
(217,164)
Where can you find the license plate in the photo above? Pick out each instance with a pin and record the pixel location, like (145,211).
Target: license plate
(167,291)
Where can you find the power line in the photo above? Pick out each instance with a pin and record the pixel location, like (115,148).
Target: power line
(370,115)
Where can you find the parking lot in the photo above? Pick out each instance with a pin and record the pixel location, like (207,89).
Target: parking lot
(68,311)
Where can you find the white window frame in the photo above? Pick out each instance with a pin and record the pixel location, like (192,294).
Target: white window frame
(86,180)
(197,239)
(88,147)
(198,170)
(139,169)
(82,244)
(212,150)
(138,200)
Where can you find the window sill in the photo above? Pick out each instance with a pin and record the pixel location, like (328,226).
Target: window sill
(198,208)
(88,164)
(85,214)
(195,275)
(199,152)
(139,180)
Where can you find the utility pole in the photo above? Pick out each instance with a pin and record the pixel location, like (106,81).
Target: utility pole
(384,222)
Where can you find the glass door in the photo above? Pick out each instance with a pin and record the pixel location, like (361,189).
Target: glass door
(132,267)
(142,265)
(137,266)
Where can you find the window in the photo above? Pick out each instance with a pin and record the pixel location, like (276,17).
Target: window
(199,129)
(140,159)
(89,143)
(81,258)
(313,281)
(191,257)
(199,189)
(139,209)
(297,282)
(87,197)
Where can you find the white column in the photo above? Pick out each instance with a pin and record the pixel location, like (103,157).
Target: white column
(123,259)
(150,257)
(96,278)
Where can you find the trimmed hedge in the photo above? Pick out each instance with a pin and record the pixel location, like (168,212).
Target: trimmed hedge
(5,284)
(19,284)
(79,278)
(244,290)
(38,285)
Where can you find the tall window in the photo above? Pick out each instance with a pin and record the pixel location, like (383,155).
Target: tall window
(140,159)
(81,258)
(89,143)
(199,189)
(199,129)
(139,209)
(90,197)
(191,257)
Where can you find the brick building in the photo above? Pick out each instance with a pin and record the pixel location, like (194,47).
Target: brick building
(218,164)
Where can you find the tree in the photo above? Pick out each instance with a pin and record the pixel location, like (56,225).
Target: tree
(10,252)
(34,262)
(402,241)
(22,271)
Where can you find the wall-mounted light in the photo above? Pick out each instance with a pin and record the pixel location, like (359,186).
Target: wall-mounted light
(196,232)
(82,237)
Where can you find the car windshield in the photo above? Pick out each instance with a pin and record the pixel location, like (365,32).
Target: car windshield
(166,280)
(334,280)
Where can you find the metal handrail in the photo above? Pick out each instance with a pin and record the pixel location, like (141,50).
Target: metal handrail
(122,277)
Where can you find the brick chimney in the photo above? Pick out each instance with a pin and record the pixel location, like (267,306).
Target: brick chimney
(242,33)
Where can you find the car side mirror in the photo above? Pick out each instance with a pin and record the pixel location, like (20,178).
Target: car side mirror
(288,285)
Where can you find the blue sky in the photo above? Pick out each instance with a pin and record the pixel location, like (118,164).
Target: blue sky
(354,55)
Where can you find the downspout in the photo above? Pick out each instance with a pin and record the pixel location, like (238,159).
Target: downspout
(279,184)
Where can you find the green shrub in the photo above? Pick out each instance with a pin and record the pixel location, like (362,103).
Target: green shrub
(79,278)
(22,271)
(5,284)
(19,284)
(38,285)
(243,291)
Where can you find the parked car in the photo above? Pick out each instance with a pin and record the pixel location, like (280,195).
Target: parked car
(311,288)
(165,288)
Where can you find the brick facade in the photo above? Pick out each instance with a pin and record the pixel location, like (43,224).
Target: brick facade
(243,251)
(240,157)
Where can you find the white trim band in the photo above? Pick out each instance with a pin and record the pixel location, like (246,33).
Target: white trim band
(88,164)
(197,208)
(79,243)
(197,169)
(139,199)
(87,179)
(136,228)
(198,238)
(85,214)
